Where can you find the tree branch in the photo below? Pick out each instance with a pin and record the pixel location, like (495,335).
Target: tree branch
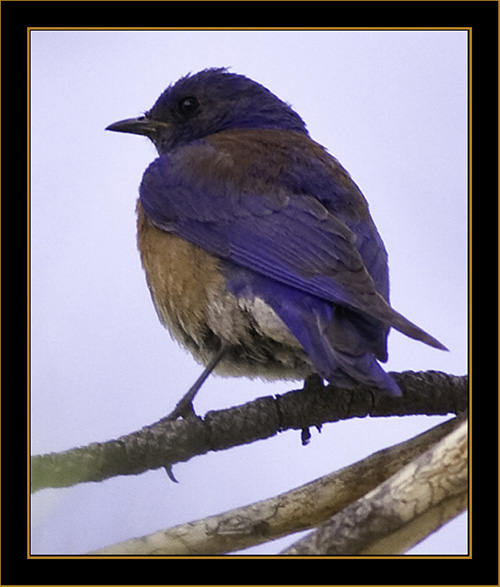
(300,509)
(167,442)
(403,510)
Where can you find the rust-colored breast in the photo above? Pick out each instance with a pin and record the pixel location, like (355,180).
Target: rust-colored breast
(180,276)
(192,301)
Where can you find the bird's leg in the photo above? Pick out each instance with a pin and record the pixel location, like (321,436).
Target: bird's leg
(185,406)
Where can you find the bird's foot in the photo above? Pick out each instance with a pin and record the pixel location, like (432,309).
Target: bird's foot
(184,409)
(313,382)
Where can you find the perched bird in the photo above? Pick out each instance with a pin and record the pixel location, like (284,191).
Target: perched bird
(259,249)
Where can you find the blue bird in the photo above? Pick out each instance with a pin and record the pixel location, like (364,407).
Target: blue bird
(259,249)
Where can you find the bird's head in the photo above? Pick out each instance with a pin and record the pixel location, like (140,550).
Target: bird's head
(208,102)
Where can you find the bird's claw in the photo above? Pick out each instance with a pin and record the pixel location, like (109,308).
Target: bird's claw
(184,409)
(170,473)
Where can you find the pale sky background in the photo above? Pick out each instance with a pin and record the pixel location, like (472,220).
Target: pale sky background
(390,105)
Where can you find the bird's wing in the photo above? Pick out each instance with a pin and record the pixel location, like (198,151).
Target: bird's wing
(200,194)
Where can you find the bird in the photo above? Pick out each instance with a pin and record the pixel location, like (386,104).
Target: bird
(260,253)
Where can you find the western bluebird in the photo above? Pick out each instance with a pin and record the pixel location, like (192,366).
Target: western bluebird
(259,249)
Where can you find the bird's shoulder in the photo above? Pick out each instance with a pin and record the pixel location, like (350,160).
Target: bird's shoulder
(261,167)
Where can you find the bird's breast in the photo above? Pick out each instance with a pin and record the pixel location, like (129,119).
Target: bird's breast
(180,276)
(193,302)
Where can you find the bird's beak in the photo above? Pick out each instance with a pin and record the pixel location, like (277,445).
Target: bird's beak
(137,126)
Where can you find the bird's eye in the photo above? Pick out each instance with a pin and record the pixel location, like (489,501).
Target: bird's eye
(188,106)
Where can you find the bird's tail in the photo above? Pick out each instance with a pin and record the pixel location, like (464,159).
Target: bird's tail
(378,307)
(399,322)
(342,349)
(344,344)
